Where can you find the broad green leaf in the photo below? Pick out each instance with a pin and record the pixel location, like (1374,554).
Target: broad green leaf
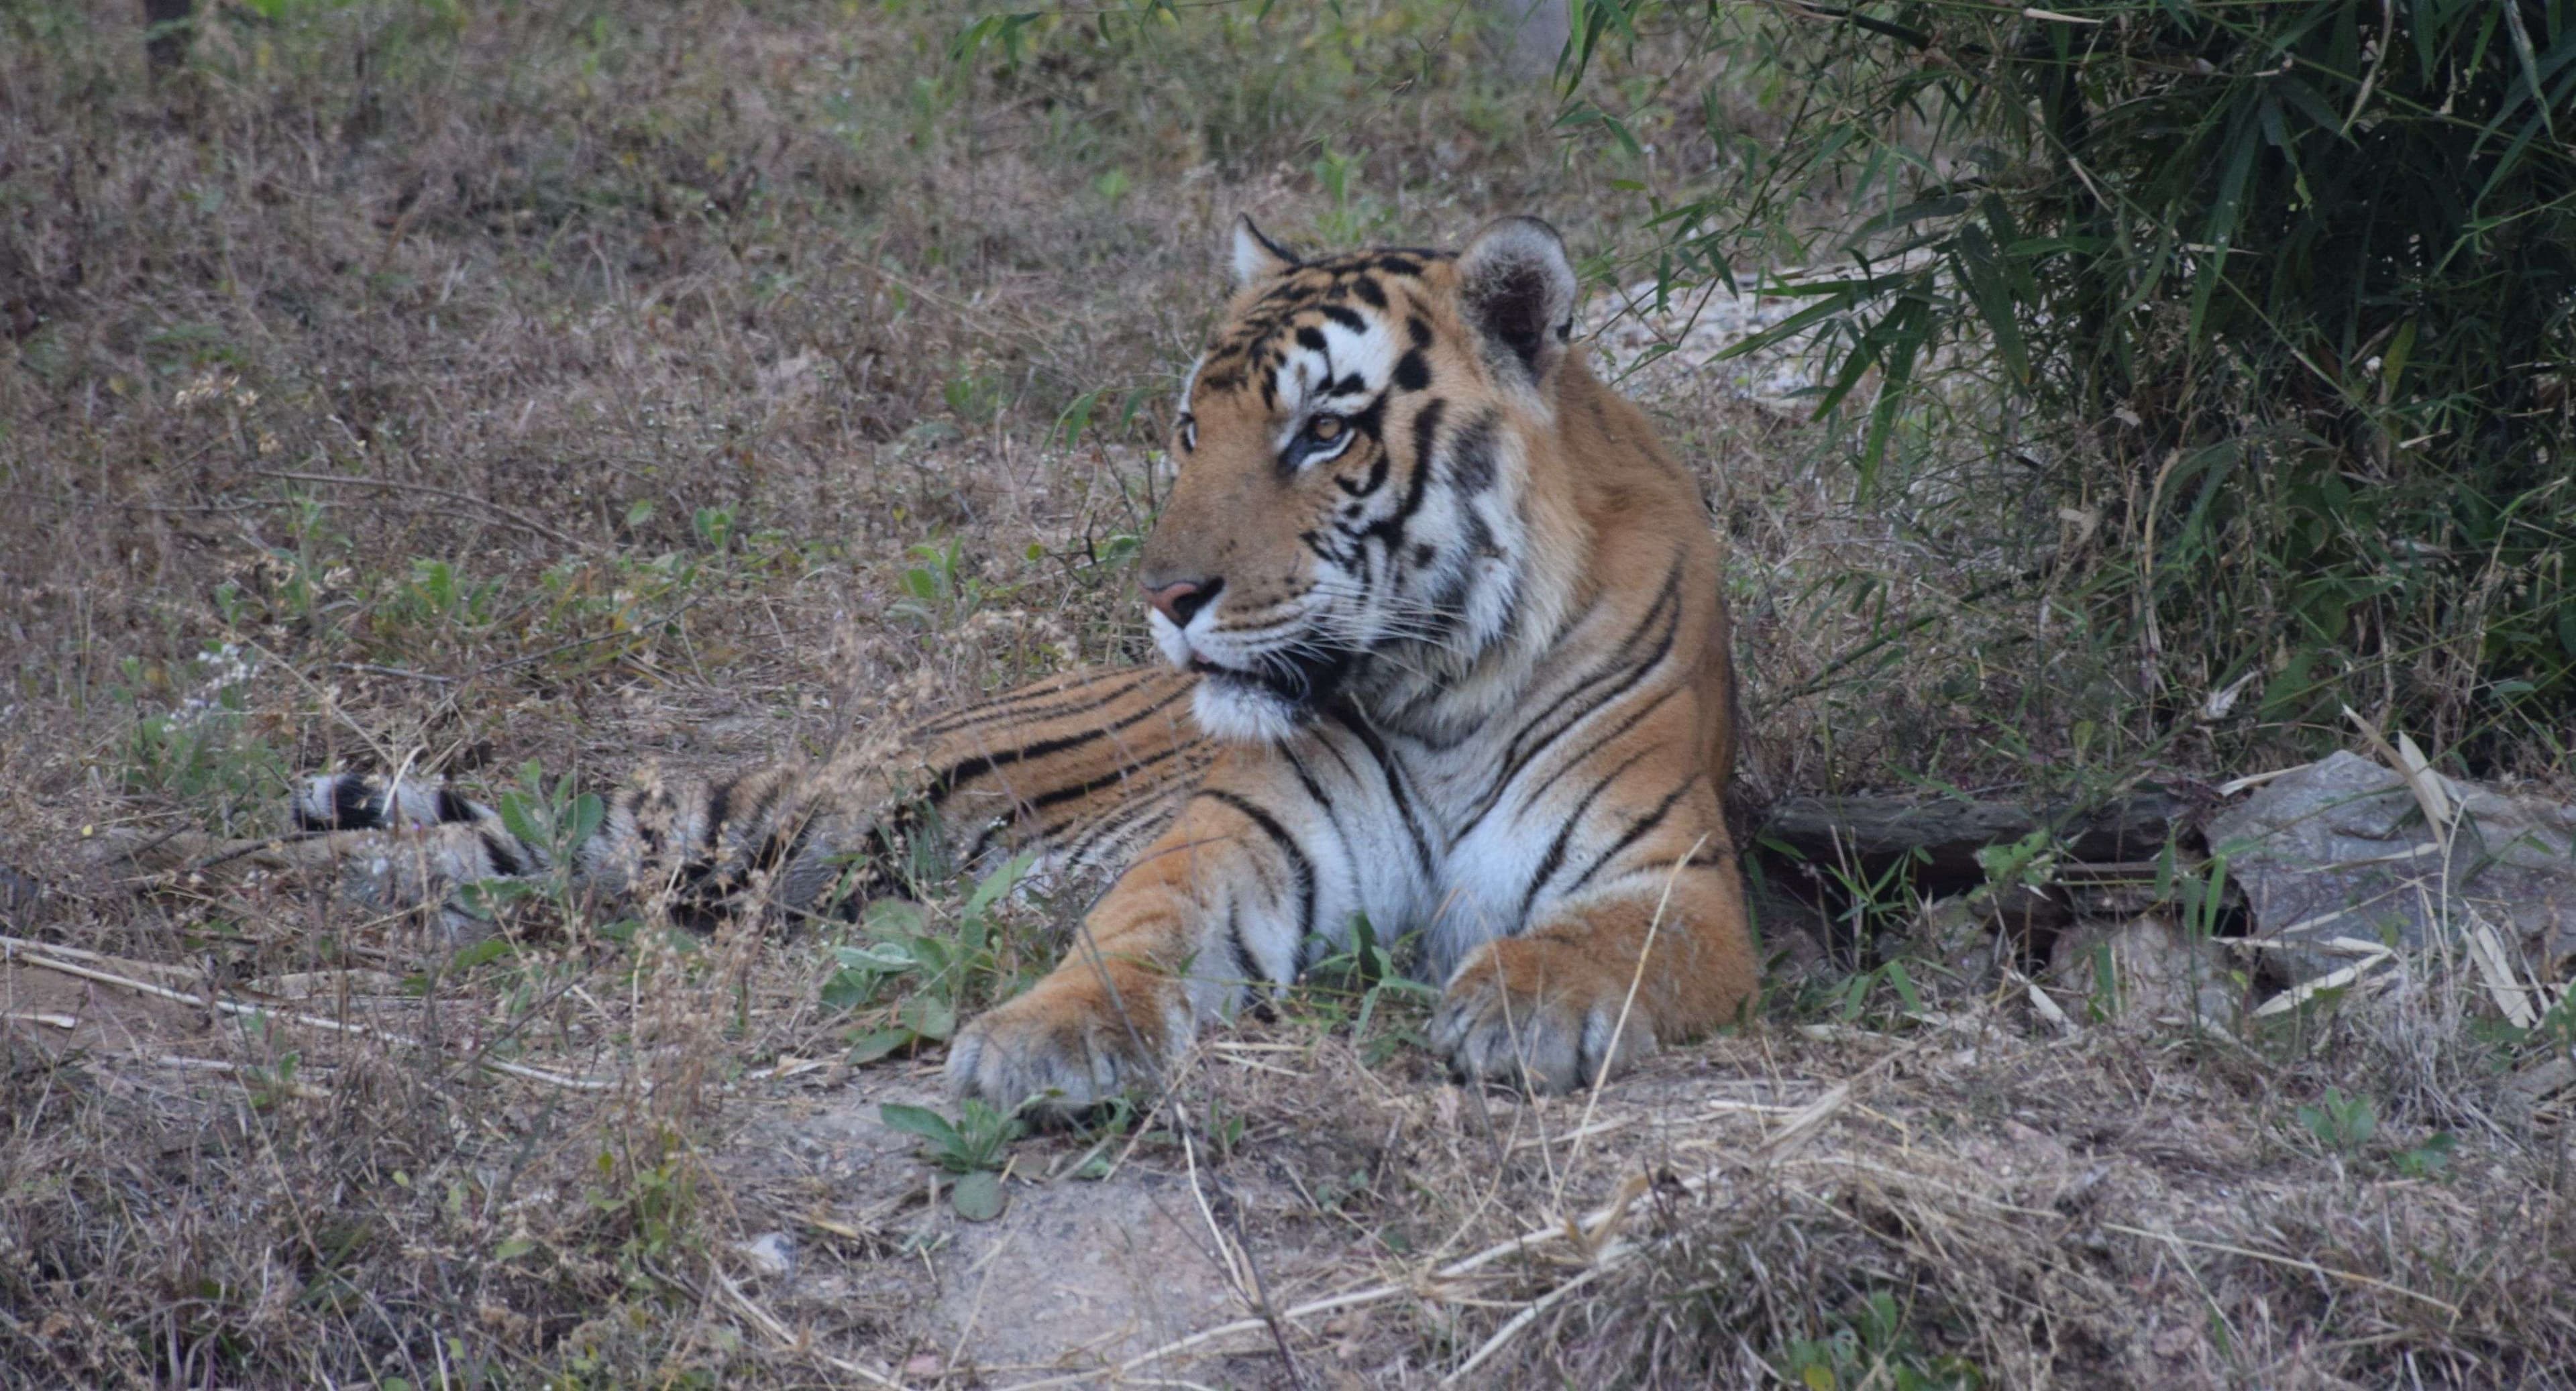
(878,1044)
(887,957)
(888,916)
(921,1121)
(978,1197)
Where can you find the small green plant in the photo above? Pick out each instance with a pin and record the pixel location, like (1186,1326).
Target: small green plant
(2341,1123)
(1873,1347)
(1349,985)
(556,820)
(2103,1002)
(435,594)
(2431,1159)
(974,1147)
(2030,862)
(1858,991)
(939,586)
(942,972)
(974,395)
(714,526)
(648,1187)
(1225,1127)
(1876,904)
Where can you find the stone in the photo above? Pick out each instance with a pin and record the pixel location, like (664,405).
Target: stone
(2156,970)
(2341,848)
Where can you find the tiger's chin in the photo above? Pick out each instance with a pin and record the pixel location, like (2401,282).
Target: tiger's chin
(1240,710)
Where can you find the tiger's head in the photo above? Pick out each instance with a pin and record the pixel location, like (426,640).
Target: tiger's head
(1355,515)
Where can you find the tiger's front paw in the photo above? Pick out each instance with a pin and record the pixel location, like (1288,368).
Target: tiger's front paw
(1076,1039)
(1538,1013)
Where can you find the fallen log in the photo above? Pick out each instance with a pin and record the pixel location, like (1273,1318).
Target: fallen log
(1941,836)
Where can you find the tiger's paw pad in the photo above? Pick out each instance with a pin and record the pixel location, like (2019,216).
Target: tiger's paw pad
(1534,1015)
(1068,1047)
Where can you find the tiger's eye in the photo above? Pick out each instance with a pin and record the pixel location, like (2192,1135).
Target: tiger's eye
(1326,428)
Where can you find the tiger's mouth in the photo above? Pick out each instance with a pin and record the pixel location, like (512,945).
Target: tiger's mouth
(1305,679)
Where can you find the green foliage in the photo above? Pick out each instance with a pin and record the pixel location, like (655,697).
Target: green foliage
(556,820)
(940,586)
(1350,985)
(2341,1123)
(973,1147)
(2030,862)
(2429,1160)
(2282,296)
(202,755)
(647,1190)
(1876,1347)
(1858,990)
(913,976)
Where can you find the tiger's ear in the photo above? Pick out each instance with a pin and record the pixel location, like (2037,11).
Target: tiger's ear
(1517,287)
(1256,257)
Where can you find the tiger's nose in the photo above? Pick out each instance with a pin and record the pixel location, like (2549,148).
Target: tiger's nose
(1181,599)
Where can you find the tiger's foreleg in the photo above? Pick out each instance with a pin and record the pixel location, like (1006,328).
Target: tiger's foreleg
(1260,872)
(1597,983)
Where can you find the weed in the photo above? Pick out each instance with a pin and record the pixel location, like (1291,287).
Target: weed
(1346,988)
(941,588)
(2341,1123)
(942,968)
(973,1147)
(1873,1346)
(556,820)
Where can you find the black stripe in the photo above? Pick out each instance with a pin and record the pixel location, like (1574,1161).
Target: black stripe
(719,803)
(452,806)
(1426,437)
(1471,460)
(756,819)
(946,782)
(1569,765)
(1554,860)
(355,805)
(1412,371)
(1667,598)
(1632,835)
(1063,795)
(1300,866)
(1246,968)
(646,828)
(1347,318)
(1521,749)
(497,846)
(1045,834)
(1117,823)
(1023,704)
(1376,477)
(776,850)
(1394,784)
(1332,818)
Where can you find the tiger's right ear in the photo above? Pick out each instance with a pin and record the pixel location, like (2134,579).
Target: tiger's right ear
(1256,257)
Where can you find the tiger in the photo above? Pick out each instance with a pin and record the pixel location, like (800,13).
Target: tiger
(1445,651)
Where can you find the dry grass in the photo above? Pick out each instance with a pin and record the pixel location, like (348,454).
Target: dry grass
(404,384)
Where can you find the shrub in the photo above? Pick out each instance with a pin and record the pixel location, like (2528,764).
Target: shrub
(2281,294)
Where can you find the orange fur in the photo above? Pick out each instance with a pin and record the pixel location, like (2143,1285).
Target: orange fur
(1619,766)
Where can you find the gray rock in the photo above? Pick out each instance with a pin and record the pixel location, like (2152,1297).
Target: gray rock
(2156,971)
(2340,848)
